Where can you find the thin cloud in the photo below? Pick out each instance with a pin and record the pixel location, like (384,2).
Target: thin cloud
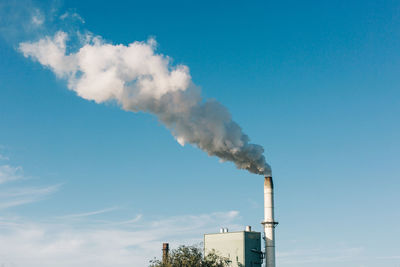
(11,195)
(129,222)
(389,258)
(304,256)
(37,18)
(9,173)
(26,243)
(87,214)
(24,195)
(29,191)
(72,15)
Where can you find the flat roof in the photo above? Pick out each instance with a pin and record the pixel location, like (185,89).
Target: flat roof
(254,232)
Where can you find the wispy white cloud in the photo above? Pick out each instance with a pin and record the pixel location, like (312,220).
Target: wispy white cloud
(37,18)
(29,191)
(24,243)
(72,15)
(320,255)
(389,258)
(12,197)
(128,222)
(9,173)
(2,157)
(87,214)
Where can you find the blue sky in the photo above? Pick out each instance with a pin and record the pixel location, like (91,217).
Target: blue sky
(316,84)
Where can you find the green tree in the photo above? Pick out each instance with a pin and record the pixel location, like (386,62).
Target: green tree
(191,256)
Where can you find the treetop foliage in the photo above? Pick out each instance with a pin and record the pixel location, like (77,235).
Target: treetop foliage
(191,256)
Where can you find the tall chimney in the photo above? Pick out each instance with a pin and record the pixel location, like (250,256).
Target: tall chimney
(165,251)
(269,222)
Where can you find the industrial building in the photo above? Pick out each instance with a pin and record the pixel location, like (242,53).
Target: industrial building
(244,248)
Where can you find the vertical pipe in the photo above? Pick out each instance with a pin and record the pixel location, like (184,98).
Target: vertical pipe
(165,250)
(269,222)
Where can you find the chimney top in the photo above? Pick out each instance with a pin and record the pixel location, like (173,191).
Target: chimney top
(268,183)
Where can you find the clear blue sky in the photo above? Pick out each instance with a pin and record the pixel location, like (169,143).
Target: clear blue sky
(315,82)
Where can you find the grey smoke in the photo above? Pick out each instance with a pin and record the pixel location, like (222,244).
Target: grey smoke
(140,80)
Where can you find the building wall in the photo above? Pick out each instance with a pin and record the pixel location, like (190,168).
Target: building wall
(252,244)
(236,246)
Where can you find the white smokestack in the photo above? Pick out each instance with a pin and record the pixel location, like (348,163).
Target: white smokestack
(269,222)
(138,79)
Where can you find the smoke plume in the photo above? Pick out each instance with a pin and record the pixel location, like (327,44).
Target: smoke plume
(139,79)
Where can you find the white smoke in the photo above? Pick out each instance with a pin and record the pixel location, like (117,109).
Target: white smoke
(140,80)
